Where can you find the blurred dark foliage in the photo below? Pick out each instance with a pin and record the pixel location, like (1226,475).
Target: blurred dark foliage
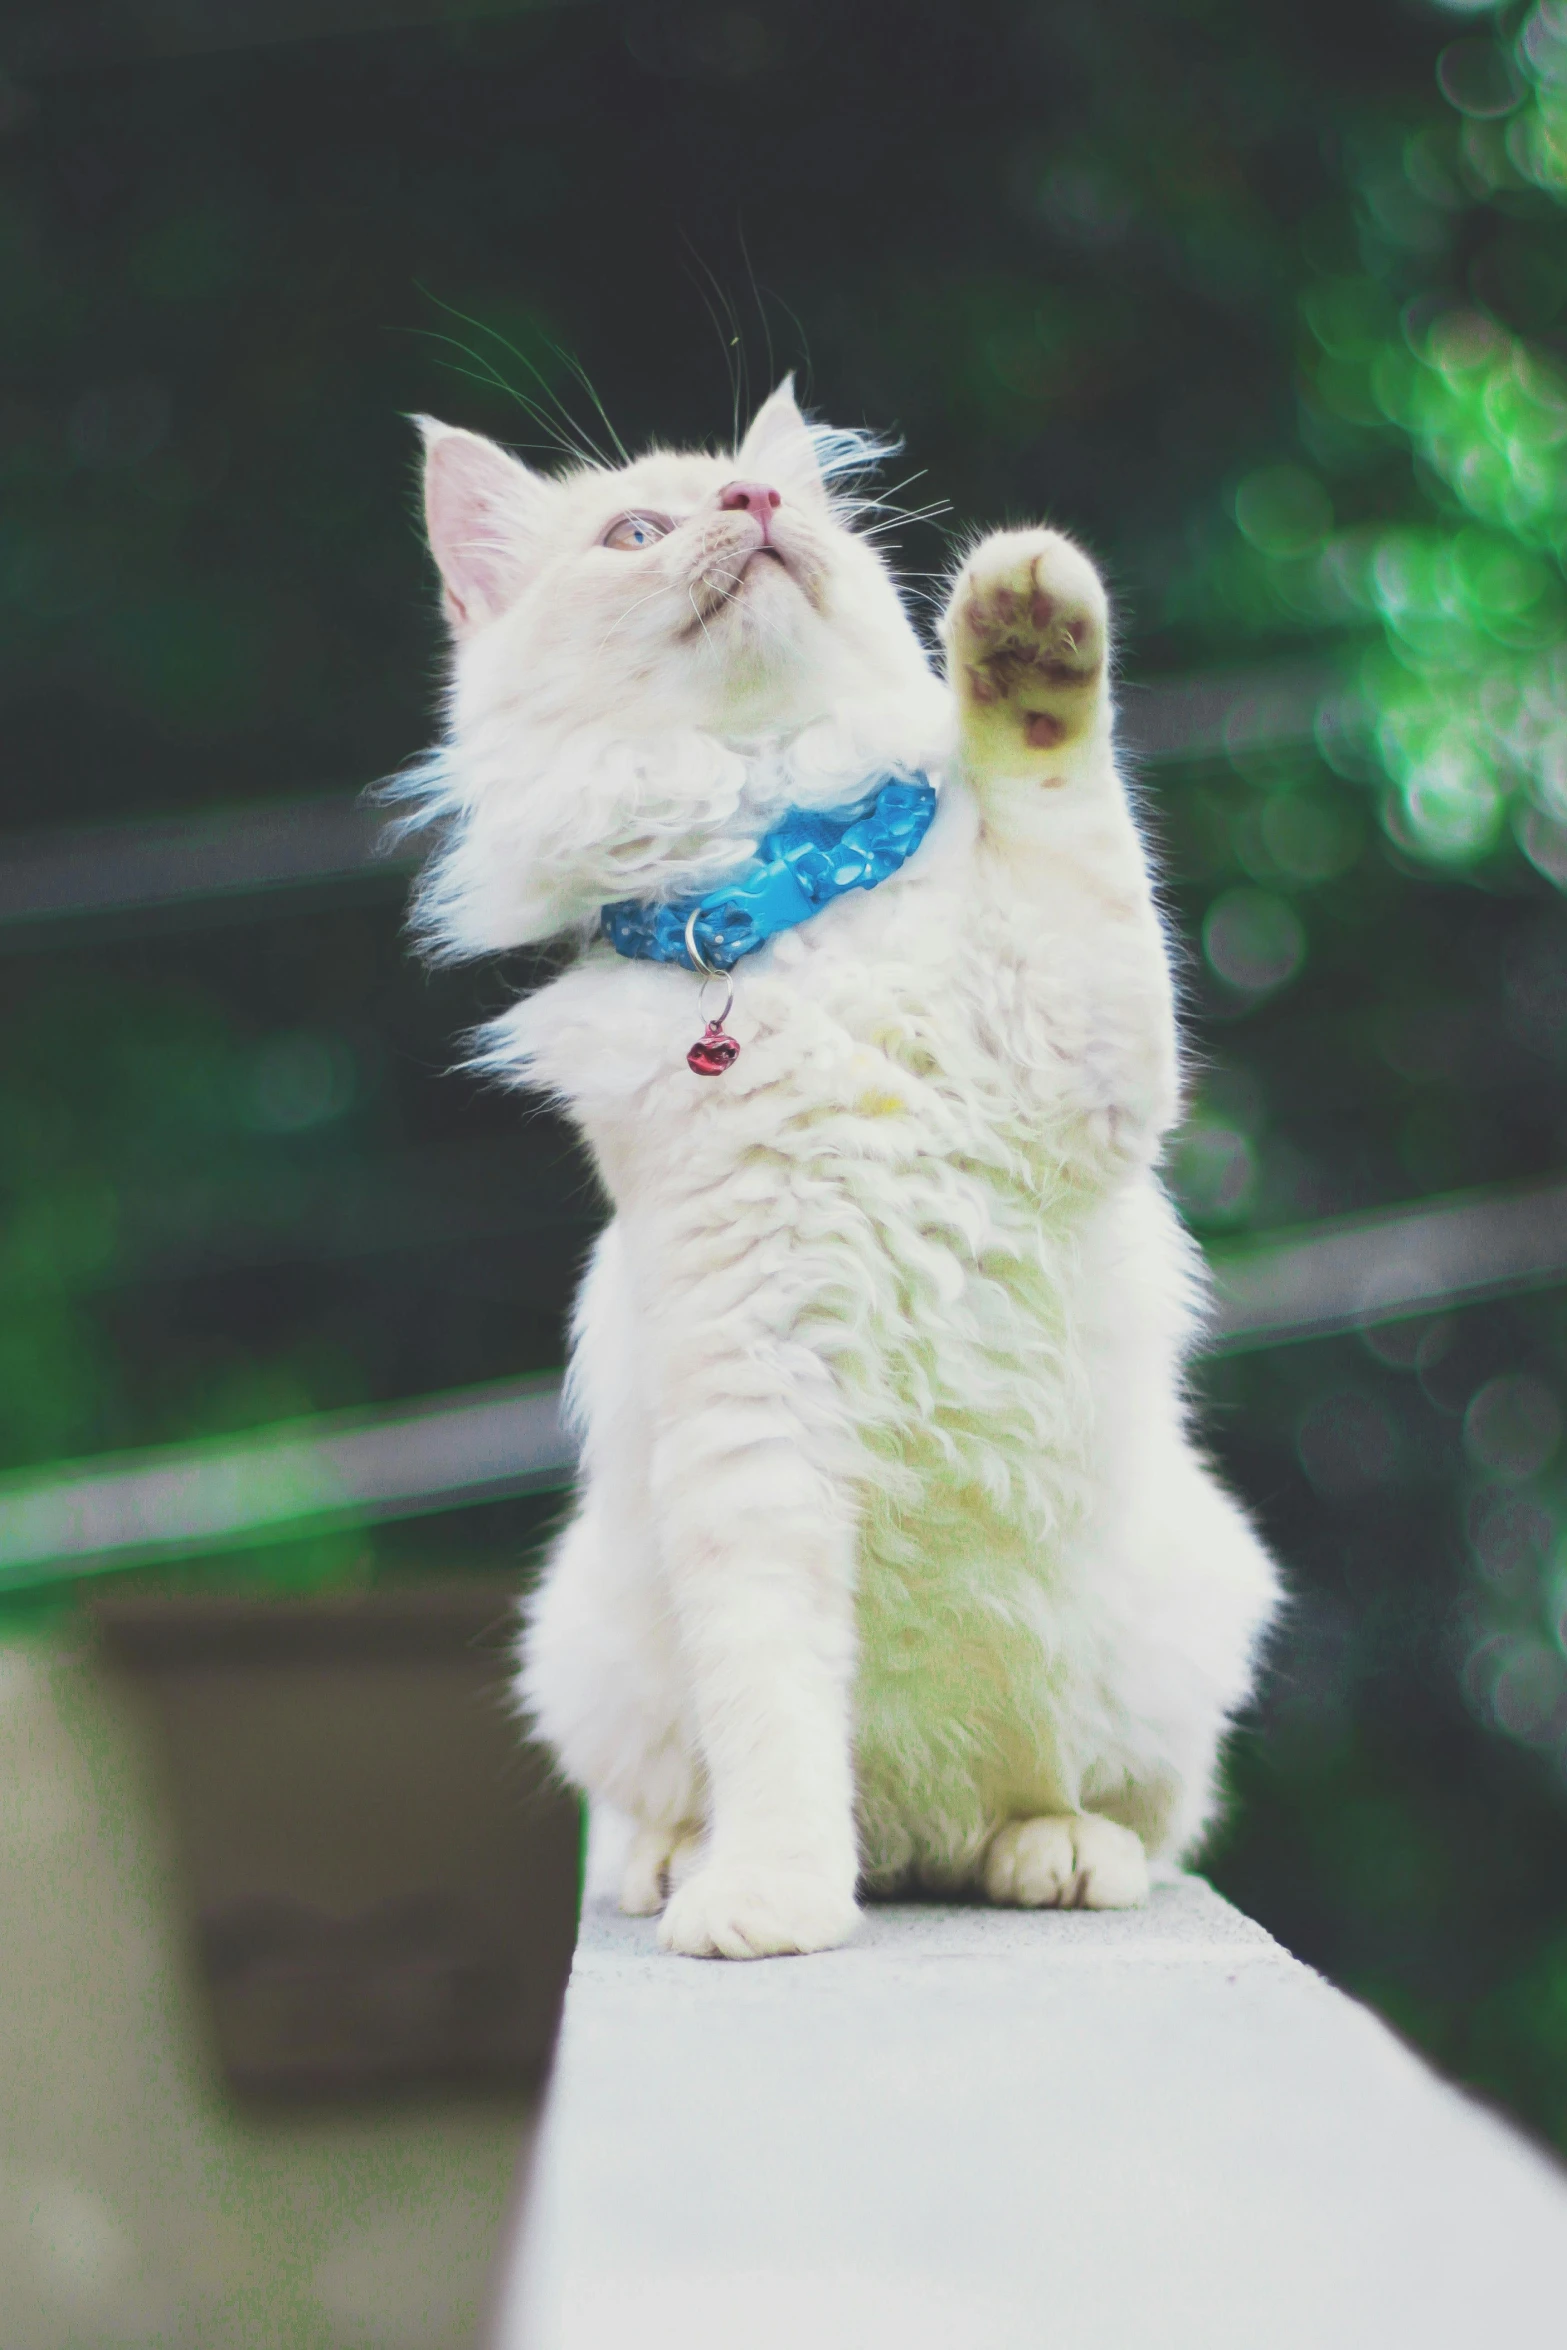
(1183,276)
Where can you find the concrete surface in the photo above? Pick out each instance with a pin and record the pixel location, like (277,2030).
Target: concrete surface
(980,2130)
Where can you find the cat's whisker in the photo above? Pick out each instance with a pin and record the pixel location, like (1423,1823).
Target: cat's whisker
(573,364)
(904,517)
(621,618)
(484,372)
(729,343)
(697,609)
(895,512)
(886,496)
(568,435)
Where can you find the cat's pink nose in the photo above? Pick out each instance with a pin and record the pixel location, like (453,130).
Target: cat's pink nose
(755,498)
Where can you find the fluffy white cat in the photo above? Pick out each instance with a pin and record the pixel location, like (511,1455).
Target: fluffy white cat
(894,1563)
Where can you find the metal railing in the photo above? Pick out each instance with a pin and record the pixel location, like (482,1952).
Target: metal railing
(444,1452)
(216,857)
(441,1452)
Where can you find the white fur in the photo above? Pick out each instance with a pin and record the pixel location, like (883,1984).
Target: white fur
(895,1562)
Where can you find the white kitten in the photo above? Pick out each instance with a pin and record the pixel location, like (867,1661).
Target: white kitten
(895,1562)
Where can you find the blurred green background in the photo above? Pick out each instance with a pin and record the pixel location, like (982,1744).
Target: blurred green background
(1267,303)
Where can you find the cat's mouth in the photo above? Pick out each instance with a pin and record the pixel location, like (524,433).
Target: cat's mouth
(725,586)
(763,559)
(798,564)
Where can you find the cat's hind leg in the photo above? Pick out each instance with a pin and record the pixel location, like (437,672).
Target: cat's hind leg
(601,1678)
(660,1859)
(600,1684)
(1067,1860)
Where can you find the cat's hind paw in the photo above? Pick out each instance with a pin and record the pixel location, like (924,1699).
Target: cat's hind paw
(1076,1860)
(736,1909)
(659,1859)
(1026,634)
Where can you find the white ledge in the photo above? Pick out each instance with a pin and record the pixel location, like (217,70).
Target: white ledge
(985,2130)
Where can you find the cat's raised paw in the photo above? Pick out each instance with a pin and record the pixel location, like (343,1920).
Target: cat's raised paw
(1075,1860)
(1026,632)
(732,1909)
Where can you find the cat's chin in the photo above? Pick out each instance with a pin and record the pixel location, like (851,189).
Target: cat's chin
(762,602)
(765,576)
(773,574)
(774,602)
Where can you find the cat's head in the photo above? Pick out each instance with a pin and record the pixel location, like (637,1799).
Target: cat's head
(725,592)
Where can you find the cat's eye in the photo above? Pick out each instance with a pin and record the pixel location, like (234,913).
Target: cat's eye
(632,532)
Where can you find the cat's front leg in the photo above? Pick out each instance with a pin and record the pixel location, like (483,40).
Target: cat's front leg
(1027,633)
(758,1545)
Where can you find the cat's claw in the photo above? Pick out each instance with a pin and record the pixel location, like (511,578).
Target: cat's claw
(731,1909)
(1026,635)
(1076,1860)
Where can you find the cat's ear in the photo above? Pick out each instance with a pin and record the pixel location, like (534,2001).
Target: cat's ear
(779,448)
(483,513)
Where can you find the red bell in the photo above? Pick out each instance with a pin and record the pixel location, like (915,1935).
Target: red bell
(713,1052)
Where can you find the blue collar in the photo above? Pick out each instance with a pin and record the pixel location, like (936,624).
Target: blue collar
(804,861)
